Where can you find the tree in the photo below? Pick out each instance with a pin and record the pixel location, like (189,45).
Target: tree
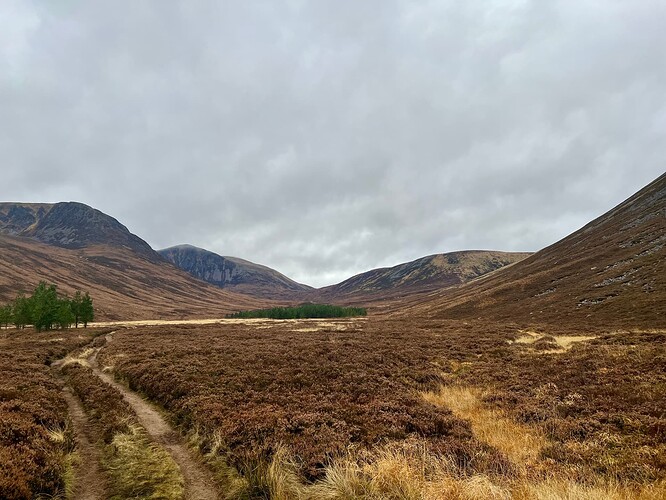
(5,315)
(65,315)
(22,311)
(87,312)
(45,309)
(45,306)
(75,304)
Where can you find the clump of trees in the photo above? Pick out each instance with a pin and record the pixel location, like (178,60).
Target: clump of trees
(302,311)
(46,309)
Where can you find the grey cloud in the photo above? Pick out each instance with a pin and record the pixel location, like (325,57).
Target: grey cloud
(327,138)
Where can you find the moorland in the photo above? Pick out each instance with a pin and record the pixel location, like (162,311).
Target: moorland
(544,379)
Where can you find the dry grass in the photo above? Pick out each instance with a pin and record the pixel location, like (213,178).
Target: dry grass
(521,443)
(550,344)
(139,468)
(340,414)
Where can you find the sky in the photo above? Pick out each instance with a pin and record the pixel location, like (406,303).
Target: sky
(330,137)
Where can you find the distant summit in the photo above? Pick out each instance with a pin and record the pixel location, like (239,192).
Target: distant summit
(233,273)
(78,247)
(69,225)
(429,273)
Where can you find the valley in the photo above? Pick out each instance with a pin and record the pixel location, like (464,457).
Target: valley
(517,376)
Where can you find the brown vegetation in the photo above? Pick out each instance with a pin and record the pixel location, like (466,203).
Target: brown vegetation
(248,392)
(35,437)
(285,405)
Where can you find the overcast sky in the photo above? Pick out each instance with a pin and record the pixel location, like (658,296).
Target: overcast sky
(326,138)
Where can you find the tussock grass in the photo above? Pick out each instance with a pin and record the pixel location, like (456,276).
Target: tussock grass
(523,445)
(71,462)
(139,468)
(550,344)
(519,442)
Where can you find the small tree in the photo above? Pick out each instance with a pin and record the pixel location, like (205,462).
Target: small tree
(22,311)
(65,316)
(75,304)
(87,312)
(5,315)
(45,306)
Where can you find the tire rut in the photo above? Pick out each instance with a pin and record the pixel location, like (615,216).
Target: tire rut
(90,481)
(199,482)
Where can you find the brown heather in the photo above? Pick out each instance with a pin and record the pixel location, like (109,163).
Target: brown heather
(35,437)
(249,391)
(340,412)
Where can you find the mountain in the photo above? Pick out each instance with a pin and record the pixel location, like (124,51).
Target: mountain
(78,247)
(425,274)
(611,271)
(233,273)
(69,225)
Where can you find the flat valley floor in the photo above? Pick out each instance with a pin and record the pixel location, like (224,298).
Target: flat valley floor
(355,408)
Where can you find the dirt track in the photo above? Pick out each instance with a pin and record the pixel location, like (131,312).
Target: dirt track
(199,482)
(90,482)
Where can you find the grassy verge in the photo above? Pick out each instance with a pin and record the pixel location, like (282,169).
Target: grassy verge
(137,467)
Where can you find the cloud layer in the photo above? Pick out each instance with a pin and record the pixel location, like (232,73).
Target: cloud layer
(327,138)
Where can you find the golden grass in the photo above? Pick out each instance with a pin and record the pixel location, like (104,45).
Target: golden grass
(564,342)
(139,468)
(70,463)
(408,471)
(257,322)
(520,442)
(401,472)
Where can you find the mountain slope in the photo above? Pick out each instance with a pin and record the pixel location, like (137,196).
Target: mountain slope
(78,247)
(425,274)
(233,273)
(69,225)
(612,271)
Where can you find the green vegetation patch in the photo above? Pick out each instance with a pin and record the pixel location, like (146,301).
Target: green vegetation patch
(303,311)
(46,309)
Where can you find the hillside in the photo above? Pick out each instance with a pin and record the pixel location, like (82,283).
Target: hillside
(611,271)
(425,274)
(233,273)
(69,225)
(78,247)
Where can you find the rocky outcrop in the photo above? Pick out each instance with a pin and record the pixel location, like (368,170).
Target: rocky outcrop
(231,272)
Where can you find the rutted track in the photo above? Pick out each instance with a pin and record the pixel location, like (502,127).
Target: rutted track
(90,483)
(199,482)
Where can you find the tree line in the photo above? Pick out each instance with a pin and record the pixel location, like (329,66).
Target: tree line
(302,311)
(46,309)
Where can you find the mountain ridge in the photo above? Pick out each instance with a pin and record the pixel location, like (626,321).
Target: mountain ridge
(611,269)
(69,225)
(420,275)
